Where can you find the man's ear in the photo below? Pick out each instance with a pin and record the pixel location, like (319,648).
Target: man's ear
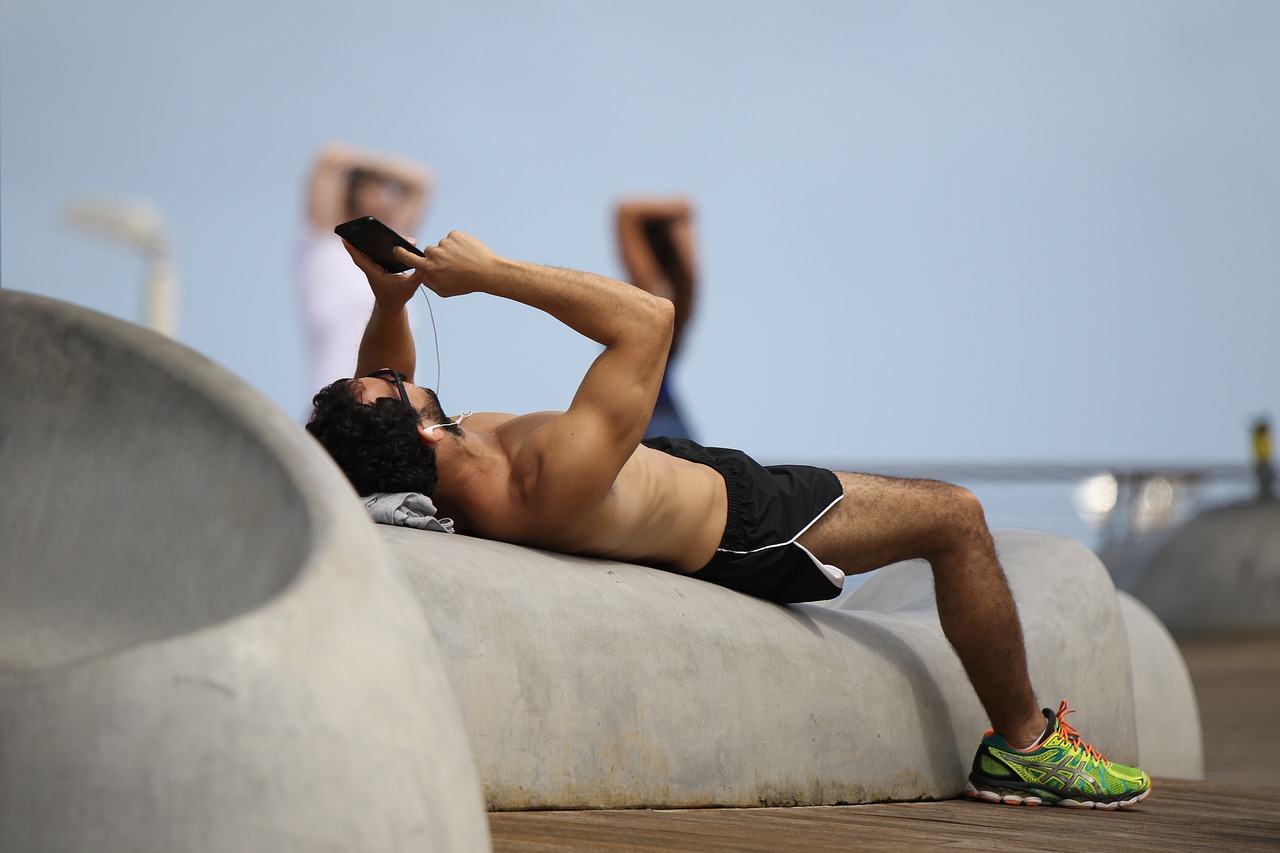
(430,434)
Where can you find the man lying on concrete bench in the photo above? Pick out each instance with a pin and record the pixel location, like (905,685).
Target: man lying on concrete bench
(583,482)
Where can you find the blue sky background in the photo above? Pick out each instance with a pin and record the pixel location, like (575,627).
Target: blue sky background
(949,231)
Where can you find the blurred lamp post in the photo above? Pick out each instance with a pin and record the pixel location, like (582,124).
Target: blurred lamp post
(136,224)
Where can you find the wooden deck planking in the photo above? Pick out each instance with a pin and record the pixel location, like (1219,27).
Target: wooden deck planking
(1237,681)
(1180,815)
(1237,807)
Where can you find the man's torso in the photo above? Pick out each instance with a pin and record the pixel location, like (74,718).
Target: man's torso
(660,510)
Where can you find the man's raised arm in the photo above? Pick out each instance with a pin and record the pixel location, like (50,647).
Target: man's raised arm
(612,406)
(388,339)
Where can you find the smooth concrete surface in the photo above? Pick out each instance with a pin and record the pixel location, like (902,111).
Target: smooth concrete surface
(587,683)
(1218,571)
(1167,711)
(203,642)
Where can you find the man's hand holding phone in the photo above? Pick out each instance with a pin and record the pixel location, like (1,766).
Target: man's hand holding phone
(370,244)
(378,241)
(458,264)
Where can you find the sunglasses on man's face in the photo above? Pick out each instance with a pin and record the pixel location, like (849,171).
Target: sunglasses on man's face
(388,375)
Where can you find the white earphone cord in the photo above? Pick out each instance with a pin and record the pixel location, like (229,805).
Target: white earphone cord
(434,335)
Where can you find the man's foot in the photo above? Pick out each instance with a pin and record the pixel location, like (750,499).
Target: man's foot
(1061,770)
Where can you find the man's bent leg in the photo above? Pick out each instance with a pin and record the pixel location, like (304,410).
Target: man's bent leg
(883,520)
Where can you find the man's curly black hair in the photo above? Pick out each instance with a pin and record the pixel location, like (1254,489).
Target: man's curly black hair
(376,446)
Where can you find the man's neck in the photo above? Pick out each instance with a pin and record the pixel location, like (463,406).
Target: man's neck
(467,465)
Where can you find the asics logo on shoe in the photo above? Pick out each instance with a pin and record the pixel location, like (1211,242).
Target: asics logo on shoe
(1064,769)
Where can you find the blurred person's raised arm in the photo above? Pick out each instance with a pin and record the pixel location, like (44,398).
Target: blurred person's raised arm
(656,242)
(329,186)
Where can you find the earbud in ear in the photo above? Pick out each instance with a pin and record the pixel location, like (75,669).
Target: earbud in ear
(453,422)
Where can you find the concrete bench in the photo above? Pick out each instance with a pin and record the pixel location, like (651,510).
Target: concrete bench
(588,683)
(203,643)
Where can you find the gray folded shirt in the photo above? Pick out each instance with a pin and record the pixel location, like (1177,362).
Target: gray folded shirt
(406,509)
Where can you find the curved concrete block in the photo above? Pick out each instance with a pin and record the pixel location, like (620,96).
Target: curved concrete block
(588,683)
(1219,571)
(1170,739)
(203,644)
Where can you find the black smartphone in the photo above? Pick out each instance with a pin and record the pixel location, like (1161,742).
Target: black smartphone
(376,240)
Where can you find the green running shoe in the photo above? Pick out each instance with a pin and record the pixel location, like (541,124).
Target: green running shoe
(1062,771)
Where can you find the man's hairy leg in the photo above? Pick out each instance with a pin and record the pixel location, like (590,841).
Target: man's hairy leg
(883,520)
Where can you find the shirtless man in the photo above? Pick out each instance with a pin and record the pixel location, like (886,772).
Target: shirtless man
(581,482)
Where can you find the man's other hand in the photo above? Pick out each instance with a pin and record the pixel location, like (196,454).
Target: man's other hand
(458,264)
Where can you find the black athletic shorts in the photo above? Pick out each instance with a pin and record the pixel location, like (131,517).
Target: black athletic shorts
(769,507)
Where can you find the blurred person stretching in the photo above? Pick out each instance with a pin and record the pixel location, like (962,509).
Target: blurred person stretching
(655,239)
(335,301)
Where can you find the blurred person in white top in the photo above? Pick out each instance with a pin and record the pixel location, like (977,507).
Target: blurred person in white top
(346,183)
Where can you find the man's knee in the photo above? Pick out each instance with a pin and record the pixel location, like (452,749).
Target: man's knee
(968,507)
(962,518)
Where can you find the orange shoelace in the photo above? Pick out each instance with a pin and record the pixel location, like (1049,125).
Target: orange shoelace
(1073,736)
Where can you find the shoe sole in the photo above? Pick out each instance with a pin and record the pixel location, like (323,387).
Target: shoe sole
(1011,797)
